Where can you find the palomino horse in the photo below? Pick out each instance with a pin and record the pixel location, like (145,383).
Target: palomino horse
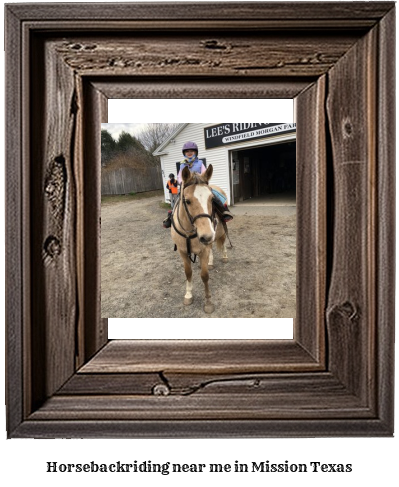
(195,227)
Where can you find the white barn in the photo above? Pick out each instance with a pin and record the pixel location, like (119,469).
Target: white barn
(249,160)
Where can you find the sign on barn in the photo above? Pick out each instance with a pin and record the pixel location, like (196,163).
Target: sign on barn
(231,133)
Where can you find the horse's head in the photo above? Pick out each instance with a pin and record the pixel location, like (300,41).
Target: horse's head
(198,203)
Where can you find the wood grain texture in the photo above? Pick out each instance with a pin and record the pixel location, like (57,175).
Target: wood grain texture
(359,14)
(53,210)
(104,106)
(78,175)
(311,219)
(203,407)
(16,319)
(312,207)
(95,330)
(256,397)
(175,87)
(185,384)
(385,275)
(288,428)
(214,56)
(112,384)
(200,356)
(351,306)
(200,389)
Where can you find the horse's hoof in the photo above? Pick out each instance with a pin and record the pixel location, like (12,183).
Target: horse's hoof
(225,260)
(188,301)
(209,308)
(211,267)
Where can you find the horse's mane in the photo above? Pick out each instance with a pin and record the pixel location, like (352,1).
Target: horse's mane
(196,178)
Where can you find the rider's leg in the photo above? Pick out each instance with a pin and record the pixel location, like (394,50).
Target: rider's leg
(220,202)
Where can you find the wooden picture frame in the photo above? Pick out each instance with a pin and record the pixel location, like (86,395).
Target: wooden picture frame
(335,378)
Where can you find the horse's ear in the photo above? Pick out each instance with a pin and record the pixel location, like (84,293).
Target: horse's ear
(208,173)
(186,174)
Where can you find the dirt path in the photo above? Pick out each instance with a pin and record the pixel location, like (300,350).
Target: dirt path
(142,277)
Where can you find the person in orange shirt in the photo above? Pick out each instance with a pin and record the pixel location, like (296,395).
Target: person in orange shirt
(173,188)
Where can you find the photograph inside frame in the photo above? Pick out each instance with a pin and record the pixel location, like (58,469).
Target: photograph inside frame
(198,220)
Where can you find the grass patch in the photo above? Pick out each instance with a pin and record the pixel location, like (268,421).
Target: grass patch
(165,206)
(109,199)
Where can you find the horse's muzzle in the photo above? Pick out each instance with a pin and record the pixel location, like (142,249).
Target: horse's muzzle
(206,239)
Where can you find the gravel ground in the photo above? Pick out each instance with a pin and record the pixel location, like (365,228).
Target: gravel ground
(142,277)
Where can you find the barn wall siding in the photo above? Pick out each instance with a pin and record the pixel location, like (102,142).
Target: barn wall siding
(218,157)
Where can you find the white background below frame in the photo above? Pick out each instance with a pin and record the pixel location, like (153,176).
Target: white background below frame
(177,111)
(200,328)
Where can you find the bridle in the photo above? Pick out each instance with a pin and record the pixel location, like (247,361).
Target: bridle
(190,234)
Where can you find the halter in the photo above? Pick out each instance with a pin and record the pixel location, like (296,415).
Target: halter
(190,234)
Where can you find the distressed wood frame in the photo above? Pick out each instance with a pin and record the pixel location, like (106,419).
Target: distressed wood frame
(64,378)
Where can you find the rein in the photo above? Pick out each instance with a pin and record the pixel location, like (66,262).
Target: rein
(190,234)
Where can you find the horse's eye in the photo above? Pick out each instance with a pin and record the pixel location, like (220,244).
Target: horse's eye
(188,202)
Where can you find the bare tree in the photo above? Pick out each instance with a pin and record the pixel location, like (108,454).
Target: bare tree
(156,133)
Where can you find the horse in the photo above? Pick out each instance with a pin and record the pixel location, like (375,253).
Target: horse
(195,227)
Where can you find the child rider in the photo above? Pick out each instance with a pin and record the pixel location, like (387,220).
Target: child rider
(190,152)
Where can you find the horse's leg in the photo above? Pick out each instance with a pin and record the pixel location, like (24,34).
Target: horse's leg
(223,247)
(225,258)
(188,298)
(210,262)
(208,306)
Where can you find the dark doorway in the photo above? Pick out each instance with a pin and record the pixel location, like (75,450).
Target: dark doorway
(263,171)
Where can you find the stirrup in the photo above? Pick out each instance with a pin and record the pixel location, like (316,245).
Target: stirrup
(226,216)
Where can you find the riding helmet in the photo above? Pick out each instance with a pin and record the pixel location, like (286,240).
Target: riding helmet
(190,145)
(171,176)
